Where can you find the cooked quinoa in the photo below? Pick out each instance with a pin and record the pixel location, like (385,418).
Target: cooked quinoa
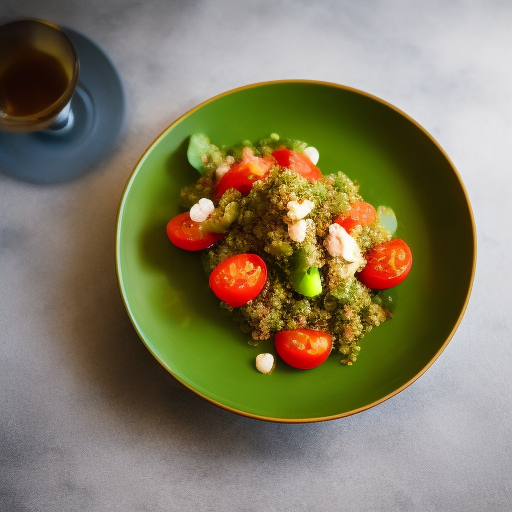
(257,224)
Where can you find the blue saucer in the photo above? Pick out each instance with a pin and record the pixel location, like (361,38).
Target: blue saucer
(99,111)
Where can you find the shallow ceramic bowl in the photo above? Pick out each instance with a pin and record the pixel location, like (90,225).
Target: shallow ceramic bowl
(396,162)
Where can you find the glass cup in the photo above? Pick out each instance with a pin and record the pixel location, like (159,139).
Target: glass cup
(39,71)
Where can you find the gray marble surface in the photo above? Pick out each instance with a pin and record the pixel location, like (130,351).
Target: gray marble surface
(90,421)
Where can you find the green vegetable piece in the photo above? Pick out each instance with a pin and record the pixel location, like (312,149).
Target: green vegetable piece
(198,146)
(307,283)
(387,218)
(305,280)
(220,222)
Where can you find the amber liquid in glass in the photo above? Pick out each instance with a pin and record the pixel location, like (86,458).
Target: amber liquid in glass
(32,82)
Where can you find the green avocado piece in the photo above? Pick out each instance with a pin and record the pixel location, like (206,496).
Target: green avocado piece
(307,283)
(305,280)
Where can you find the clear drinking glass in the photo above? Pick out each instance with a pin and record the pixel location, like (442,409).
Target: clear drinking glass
(62,103)
(39,70)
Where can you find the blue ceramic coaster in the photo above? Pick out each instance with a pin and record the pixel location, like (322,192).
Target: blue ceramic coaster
(99,111)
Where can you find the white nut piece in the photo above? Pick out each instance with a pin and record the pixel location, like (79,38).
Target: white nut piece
(265,363)
(297,230)
(298,210)
(202,210)
(313,154)
(340,243)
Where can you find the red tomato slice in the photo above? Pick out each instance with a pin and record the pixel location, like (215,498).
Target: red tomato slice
(388,264)
(298,162)
(238,279)
(360,213)
(303,348)
(242,176)
(184,233)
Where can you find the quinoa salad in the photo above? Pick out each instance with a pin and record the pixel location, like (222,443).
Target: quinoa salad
(293,255)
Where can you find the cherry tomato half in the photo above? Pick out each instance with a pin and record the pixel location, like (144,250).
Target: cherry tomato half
(238,279)
(242,176)
(303,348)
(184,233)
(297,162)
(388,264)
(360,213)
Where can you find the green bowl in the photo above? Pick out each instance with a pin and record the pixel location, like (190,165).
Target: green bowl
(397,163)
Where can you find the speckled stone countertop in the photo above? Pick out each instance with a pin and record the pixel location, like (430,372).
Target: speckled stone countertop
(88,418)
